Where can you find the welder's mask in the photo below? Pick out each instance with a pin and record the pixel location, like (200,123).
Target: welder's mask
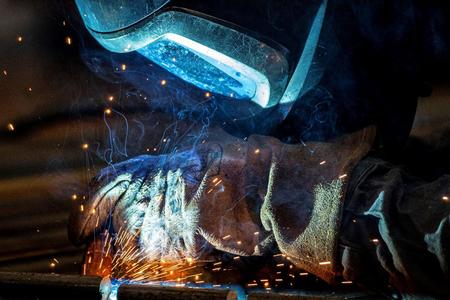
(256,63)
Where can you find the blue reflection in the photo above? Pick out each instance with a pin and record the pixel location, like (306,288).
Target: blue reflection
(113,15)
(208,69)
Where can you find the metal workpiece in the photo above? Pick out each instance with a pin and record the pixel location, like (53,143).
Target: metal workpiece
(27,286)
(24,286)
(140,292)
(299,295)
(32,286)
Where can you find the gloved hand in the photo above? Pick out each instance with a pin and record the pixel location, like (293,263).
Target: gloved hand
(232,195)
(183,204)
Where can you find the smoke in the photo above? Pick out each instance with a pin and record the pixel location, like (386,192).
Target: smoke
(171,113)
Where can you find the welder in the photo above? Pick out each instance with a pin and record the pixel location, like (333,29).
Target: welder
(315,96)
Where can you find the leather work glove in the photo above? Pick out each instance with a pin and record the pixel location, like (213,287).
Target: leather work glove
(183,204)
(231,195)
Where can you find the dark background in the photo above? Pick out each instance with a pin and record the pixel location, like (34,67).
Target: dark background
(42,163)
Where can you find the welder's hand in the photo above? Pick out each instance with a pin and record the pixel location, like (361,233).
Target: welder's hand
(184,204)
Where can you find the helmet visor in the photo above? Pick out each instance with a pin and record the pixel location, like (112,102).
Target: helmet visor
(217,56)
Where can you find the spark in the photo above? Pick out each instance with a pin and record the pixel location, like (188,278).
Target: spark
(52,265)
(347,282)
(123,67)
(207,94)
(85,146)
(375,241)
(445,198)
(68,40)
(74,197)
(130,262)
(19,39)
(30,89)
(10,127)
(124,259)
(256,233)
(108,111)
(257,151)
(323,162)
(110,98)
(163,82)
(81,207)
(5,72)
(303,274)
(342,176)
(324,263)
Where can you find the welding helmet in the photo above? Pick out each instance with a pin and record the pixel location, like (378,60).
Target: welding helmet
(230,48)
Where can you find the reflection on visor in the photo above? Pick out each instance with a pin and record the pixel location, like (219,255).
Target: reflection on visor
(112,15)
(206,54)
(208,69)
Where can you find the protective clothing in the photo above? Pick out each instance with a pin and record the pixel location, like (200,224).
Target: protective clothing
(396,230)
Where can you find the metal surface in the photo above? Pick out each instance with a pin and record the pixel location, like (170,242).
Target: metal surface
(21,286)
(310,296)
(140,292)
(24,286)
